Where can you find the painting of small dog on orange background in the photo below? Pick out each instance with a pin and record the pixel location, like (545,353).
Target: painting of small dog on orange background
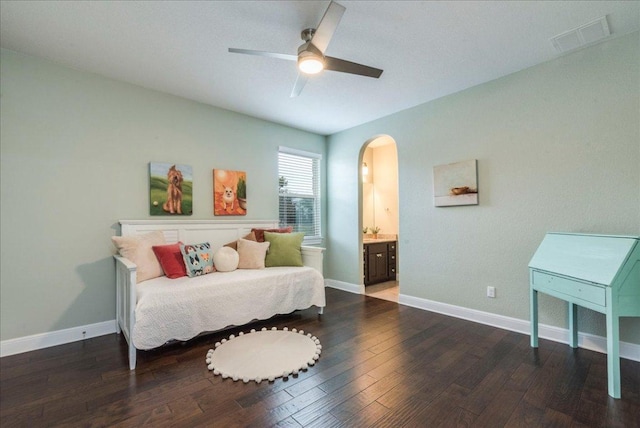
(170,189)
(229,192)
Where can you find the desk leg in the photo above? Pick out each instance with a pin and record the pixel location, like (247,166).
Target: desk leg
(613,348)
(573,325)
(533,302)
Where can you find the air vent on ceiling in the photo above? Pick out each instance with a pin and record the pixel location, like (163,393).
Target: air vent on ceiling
(584,35)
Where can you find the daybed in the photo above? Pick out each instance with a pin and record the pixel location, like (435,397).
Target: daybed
(160,310)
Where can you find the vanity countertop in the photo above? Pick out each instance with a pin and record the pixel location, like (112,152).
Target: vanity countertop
(376,241)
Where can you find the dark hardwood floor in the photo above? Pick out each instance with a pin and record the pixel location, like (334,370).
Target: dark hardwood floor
(382,365)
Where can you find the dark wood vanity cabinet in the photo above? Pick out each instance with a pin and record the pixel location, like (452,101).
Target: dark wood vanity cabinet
(379,262)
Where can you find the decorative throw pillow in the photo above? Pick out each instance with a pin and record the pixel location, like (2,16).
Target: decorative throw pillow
(234,244)
(226,259)
(251,254)
(170,258)
(138,250)
(198,259)
(285,249)
(260,232)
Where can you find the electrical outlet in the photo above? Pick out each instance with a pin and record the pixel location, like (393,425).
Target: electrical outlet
(491,292)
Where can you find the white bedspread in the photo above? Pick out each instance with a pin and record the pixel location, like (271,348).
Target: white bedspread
(182,308)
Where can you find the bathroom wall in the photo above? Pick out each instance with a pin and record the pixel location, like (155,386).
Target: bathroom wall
(368,198)
(385,178)
(380,186)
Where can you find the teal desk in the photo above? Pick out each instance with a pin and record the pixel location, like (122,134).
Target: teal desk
(598,272)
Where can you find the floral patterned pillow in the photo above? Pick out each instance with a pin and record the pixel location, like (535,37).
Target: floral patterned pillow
(198,259)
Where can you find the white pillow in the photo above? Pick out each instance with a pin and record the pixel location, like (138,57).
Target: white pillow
(226,259)
(138,250)
(252,254)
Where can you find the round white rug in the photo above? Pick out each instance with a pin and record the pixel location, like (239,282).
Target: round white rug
(264,355)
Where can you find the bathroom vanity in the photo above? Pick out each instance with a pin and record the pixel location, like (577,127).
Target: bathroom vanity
(379,257)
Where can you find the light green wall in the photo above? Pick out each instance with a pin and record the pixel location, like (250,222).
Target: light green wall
(558,149)
(75,149)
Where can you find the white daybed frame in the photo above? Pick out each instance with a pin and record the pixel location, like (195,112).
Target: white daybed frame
(215,232)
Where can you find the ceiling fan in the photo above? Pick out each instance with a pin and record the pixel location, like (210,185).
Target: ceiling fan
(311,58)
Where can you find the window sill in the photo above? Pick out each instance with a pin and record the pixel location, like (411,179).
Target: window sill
(312,240)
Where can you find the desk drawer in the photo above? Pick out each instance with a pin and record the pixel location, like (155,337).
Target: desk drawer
(588,292)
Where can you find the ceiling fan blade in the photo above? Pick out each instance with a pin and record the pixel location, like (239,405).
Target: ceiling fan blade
(297,87)
(263,53)
(343,66)
(327,26)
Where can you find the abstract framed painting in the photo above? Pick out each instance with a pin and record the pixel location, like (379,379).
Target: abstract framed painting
(170,189)
(455,184)
(229,192)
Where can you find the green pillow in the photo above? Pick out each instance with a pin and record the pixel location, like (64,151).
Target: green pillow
(284,249)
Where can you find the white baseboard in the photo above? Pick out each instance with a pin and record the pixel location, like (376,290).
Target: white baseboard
(54,338)
(344,286)
(630,351)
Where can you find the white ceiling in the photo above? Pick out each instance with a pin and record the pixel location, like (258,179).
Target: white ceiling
(427,49)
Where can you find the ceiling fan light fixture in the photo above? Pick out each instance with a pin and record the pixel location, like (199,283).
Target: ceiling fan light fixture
(310,63)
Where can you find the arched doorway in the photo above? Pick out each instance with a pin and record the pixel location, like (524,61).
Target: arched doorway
(379,222)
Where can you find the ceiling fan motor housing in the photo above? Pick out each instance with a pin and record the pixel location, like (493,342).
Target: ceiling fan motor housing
(308,49)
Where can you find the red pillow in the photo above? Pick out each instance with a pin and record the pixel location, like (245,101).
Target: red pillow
(170,259)
(260,232)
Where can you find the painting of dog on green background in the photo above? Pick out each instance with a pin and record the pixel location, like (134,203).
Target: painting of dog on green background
(170,189)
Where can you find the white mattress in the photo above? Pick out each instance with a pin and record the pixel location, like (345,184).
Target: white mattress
(180,309)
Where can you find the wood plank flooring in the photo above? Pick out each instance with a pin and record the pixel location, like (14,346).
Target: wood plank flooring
(383,365)
(389,290)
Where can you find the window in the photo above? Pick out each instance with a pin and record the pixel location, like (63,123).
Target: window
(299,192)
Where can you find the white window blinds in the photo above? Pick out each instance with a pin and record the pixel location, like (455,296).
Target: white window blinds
(299,192)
